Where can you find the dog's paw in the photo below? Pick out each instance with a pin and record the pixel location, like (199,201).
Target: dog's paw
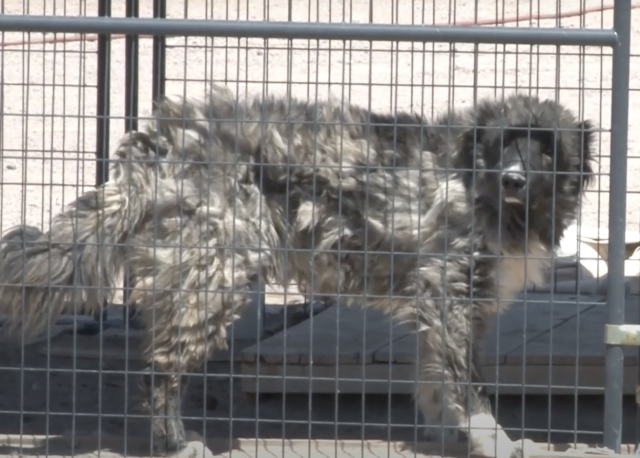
(170,440)
(436,434)
(195,447)
(524,448)
(507,449)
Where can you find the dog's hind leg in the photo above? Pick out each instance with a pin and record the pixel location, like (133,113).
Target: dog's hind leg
(185,325)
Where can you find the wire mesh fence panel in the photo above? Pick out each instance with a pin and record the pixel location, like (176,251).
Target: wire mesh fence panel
(336,232)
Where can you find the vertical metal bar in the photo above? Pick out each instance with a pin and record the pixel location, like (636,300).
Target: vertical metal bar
(159,52)
(637,439)
(131,123)
(103,111)
(131,69)
(617,221)
(102,129)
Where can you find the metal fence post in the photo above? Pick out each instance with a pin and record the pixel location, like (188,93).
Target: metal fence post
(131,71)
(104,89)
(159,52)
(103,112)
(132,48)
(617,222)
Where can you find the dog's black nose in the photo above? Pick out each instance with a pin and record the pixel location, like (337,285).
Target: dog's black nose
(513,182)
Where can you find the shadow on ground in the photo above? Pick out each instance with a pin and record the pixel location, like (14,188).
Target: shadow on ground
(92,397)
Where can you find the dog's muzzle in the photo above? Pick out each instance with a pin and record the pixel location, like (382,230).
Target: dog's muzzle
(514,186)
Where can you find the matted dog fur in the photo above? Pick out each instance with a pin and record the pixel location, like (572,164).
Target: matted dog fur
(384,210)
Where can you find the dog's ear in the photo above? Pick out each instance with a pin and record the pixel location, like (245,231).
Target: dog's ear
(585,158)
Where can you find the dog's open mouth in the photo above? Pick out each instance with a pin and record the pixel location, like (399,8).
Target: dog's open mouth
(516,210)
(512,200)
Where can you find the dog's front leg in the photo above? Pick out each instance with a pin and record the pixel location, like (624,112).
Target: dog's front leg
(185,325)
(489,439)
(485,433)
(162,395)
(179,336)
(445,394)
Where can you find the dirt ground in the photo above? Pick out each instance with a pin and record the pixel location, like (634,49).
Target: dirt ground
(49,142)
(49,95)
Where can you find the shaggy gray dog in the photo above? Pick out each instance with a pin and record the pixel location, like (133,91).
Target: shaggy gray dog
(439,225)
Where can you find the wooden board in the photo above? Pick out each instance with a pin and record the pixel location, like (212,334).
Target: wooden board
(577,341)
(340,334)
(380,358)
(528,317)
(354,335)
(116,344)
(400,379)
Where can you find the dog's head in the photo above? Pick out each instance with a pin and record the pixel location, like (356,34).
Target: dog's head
(532,162)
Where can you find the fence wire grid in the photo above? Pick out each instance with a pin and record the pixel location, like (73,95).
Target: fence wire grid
(304,371)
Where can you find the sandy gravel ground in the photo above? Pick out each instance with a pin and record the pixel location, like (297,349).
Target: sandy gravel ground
(49,93)
(48,131)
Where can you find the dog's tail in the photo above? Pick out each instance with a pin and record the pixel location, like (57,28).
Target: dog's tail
(78,261)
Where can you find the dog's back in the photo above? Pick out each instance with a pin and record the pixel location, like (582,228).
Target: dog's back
(336,191)
(340,198)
